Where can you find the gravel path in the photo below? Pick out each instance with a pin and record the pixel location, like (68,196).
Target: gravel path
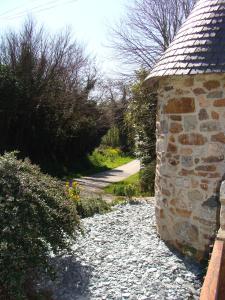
(121,257)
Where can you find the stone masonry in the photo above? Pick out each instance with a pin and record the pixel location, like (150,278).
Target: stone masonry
(190,159)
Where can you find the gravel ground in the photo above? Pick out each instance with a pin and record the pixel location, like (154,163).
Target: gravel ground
(121,257)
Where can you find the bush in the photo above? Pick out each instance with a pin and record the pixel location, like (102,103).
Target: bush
(87,207)
(130,191)
(119,190)
(36,220)
(147,179)
(126,190)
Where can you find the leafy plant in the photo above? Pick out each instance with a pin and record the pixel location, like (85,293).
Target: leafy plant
(73,190)
(37,219)
(141,116)
(119,190)
(130,191)
(87,207)
(147,179)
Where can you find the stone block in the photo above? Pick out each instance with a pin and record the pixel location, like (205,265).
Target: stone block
(185,172)
(166,192)
(181,92)
(188,82)
(210,126)
(219,137)
(195,195)
(179,106)
(211,84)
(186,151)
(192,139)
(176,127)
(172,148)
(219,103)
(199,91)
(183,182)
(203,102)
(172,139)
(203,115)
(204,186)
(173,162)
(181,203)
(183,213)
(216,94)
(190,123)
(213,159)
(176,118)
(214,175)
(194,183)
(187,161)
(206,168)
(197,160)
(215,115)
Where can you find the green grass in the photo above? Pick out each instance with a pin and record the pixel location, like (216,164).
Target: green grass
(119,188)
(100,160)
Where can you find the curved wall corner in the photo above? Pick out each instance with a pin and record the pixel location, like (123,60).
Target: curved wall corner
(190,160)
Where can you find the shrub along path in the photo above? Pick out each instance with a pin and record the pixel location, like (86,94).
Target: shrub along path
(96,183)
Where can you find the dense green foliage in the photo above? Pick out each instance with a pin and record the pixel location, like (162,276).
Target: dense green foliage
(142,118)
(46,109)
(147,179)
(37,219)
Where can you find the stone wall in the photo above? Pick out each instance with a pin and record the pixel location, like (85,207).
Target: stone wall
(190,160)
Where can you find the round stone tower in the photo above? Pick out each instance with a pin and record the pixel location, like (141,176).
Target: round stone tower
(190,80)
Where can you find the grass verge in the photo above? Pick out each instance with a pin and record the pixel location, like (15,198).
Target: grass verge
(121,188)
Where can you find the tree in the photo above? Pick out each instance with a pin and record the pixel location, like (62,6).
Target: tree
(114,98)
(46,111)
(148,29)
(141,116)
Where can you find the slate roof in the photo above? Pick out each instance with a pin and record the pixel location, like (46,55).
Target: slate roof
(199,46)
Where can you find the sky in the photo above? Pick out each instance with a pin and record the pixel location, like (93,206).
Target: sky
(89,21)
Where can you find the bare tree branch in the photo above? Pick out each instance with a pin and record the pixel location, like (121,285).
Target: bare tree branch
(148,29)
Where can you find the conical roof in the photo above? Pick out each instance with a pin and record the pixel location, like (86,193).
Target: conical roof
(199,46)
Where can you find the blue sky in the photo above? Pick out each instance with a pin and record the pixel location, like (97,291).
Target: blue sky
(88,19)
